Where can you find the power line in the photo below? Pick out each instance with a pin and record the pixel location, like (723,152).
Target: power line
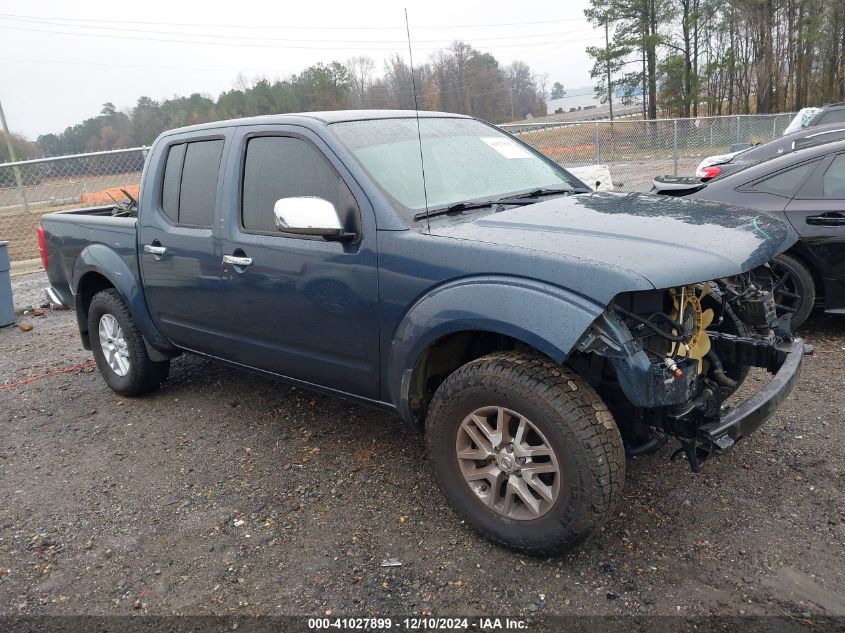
(55,23)
(65,62)
(391,92)
(400,92)
(217,42)
(533,52)
(542,49)
(298,27)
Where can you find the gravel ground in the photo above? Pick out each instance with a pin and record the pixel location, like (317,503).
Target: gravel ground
(226,493)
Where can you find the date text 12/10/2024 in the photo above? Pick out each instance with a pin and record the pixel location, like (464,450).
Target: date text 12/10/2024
(417,624)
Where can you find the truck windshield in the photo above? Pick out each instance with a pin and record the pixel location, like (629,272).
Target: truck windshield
(465,160)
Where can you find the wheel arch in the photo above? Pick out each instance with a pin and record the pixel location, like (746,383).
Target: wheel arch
(800,252)
(88,285)
(98,268)
(470,318)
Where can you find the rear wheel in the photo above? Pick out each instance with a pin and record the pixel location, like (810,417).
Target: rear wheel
(119,347)
(525,451)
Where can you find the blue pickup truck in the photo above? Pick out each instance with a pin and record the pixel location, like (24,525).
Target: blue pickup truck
(537,332)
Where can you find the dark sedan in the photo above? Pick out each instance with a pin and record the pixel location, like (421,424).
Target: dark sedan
(807,187)
(721,166)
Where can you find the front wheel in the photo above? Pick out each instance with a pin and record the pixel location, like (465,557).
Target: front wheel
(792,285)
(526,451)
(119,348)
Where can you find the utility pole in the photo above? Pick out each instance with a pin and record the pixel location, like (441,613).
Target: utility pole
(511,103)
(607,52)
(13,158)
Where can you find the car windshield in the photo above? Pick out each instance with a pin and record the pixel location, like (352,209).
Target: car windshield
(465,160)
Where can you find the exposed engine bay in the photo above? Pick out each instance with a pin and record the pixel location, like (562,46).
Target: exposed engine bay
(667,360)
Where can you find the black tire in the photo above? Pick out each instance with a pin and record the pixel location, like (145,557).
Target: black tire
(143,375)
(577,426)
(794,278)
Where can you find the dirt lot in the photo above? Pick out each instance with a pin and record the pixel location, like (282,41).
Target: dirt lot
(231,494)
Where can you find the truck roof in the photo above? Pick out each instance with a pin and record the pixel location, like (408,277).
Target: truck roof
(331,116)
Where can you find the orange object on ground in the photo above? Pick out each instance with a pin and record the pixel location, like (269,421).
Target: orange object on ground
(104,196)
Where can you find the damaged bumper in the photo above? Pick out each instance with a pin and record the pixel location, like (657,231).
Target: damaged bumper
(689,406)
(783,359)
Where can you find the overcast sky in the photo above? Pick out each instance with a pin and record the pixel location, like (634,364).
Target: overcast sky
(60,61)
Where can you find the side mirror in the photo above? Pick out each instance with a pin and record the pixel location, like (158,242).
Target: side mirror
(306,215)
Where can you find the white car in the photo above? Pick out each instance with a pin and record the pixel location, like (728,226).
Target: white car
(707,167)
(801,120)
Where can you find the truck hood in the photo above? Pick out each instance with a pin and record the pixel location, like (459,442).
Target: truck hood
(668,241)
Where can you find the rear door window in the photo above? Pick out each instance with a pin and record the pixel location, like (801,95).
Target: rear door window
(198,197)
(833,181)
(189,189)
(785,183)
(172,180)
(832,116)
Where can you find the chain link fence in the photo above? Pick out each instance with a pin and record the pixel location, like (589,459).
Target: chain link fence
(31,188)
(634,150)
(637,150)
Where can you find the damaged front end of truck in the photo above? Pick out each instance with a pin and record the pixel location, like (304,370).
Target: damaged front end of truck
(669,361)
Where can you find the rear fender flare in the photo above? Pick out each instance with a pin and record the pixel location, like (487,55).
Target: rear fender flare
(100,259)
(545,317)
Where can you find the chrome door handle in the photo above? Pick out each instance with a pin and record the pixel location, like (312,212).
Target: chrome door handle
(155,250)
(237,261)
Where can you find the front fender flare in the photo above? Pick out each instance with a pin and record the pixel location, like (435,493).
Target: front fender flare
(101,259)
(548,318)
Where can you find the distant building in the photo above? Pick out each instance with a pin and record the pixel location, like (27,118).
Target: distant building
(575,98)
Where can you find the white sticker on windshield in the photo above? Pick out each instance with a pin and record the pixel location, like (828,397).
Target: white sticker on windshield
(506,147)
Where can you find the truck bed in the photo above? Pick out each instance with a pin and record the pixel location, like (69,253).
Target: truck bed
(68,233)
(100,211)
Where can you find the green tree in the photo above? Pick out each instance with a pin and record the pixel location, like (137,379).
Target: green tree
(322,86)
(673,96)
(50,144)
(148,121)
(523,91)
(485,87)
(638,26)
(232,104)
(609,60)
(558,91)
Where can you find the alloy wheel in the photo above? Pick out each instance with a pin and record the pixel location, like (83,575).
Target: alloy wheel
(508,463)
(786,287)
(114,346)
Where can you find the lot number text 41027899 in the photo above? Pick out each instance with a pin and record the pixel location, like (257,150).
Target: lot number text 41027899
(416,624)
